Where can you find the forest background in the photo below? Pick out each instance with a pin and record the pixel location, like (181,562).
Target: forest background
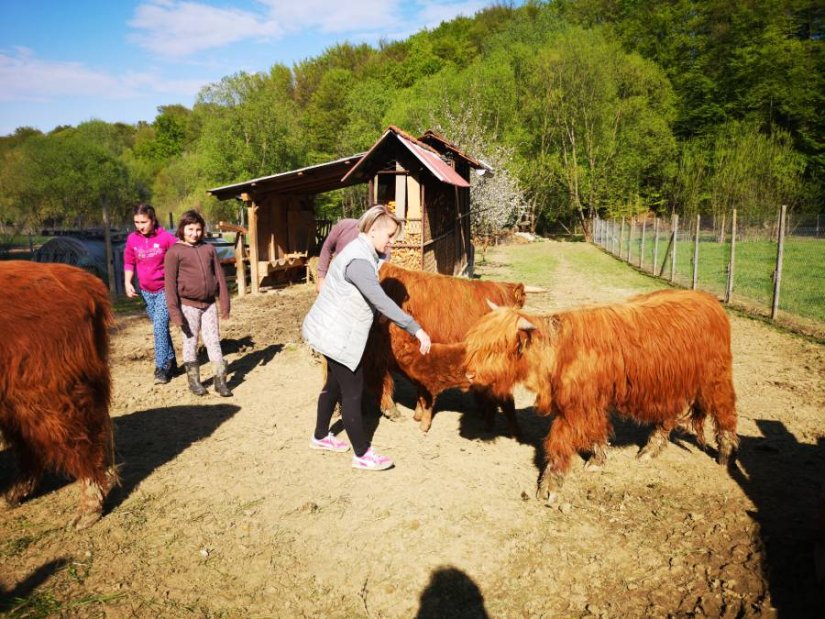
(582,107)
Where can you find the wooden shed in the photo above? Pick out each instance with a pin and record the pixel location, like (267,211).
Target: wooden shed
(427,179)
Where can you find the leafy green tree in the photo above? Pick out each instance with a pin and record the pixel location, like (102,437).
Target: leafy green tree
(598,123)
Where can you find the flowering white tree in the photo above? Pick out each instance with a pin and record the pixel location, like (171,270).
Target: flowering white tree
(497,200)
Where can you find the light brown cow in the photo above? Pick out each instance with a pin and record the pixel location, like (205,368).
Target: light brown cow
(649,359)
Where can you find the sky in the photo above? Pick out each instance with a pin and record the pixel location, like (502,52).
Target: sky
(63,62)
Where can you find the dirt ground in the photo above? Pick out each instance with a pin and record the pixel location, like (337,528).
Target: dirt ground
(225,512)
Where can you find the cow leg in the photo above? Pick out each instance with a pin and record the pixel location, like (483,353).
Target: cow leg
(656,442)
(388,407)
(29,471)
(424,411)
(559,447)
(508,405)
(598,458)
(720,401)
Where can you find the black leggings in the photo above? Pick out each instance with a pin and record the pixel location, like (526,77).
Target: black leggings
(347,385)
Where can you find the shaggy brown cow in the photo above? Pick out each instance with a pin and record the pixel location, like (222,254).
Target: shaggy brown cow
(649,359)
(55,384)
(446,307)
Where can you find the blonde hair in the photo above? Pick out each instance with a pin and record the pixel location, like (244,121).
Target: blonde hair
(377,214)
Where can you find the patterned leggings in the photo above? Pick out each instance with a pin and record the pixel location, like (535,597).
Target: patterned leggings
(159,315)
(204,322)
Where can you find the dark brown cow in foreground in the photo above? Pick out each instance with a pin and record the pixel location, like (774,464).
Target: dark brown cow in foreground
(55,384)
(649,359)
(445,307)
(439,370)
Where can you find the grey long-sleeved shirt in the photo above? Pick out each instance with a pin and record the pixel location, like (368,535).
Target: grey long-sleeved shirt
(361,274)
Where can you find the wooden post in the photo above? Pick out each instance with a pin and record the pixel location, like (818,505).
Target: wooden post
(780,250)
(107,239)
(171,223)
(252,213)
(621,239)
(696,251)
(240,266)
(673,247)
(642,245)
(629,238)
(732,261)
(656,245)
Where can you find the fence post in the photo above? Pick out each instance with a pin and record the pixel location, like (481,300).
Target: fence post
(696,252)
(780,250)
(732,261)
(621,239)
(675,226)
(629,237)
(655,245)
(613,238)
(642,244)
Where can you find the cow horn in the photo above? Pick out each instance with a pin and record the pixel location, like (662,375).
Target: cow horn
(534,289)
(524,324)
(492,305)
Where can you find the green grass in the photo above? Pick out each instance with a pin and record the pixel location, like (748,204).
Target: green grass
(123,305)
(531,264)
(44,604)
(802,291)
(535,264)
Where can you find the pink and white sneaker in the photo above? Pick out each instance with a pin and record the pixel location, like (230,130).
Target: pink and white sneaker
(371,461)
(328,443)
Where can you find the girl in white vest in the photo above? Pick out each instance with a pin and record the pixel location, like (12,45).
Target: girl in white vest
(338,324)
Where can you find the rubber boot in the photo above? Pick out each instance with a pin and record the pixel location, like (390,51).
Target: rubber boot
(220,380)
(193,373)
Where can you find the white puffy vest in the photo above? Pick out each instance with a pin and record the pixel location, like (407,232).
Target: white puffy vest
(339,321)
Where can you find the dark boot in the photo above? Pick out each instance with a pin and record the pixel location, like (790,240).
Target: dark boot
(193,373)
(160,376)
(220,381)
(172,368)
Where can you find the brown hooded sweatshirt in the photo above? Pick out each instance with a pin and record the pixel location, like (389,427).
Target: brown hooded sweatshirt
(193,276)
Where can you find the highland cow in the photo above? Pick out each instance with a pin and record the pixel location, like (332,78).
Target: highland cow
(55,384)
(649,359)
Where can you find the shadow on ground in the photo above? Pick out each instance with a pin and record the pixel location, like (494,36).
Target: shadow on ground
(451,593)
(783,478)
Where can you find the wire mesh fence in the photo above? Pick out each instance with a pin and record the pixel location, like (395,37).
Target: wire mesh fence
(773,268)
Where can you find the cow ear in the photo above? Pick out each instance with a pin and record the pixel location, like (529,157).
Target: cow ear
(492,305)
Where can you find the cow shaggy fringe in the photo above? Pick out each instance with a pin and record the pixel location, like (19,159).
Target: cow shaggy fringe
(55,387)
(662,358)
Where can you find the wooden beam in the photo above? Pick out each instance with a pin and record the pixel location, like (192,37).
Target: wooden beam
(252,212)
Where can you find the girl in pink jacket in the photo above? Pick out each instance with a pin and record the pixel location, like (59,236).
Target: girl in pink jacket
(144,253)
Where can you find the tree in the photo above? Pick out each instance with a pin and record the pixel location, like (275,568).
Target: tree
(597,124)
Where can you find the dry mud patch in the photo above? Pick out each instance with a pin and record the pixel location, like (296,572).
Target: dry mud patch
(225,512)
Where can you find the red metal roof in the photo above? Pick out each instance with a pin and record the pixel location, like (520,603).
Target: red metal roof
(442,171)
(425,153)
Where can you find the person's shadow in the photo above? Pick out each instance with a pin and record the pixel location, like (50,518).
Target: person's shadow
(451,593)
(784,480)
(239,368)
(13,597)
(144,441)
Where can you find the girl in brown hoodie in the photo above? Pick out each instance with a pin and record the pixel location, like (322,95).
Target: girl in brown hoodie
(193,278)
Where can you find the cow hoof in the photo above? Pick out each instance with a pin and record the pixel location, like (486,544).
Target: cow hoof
(84,520)
(592,466)
(393,414)
(551,499)
(425,426)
